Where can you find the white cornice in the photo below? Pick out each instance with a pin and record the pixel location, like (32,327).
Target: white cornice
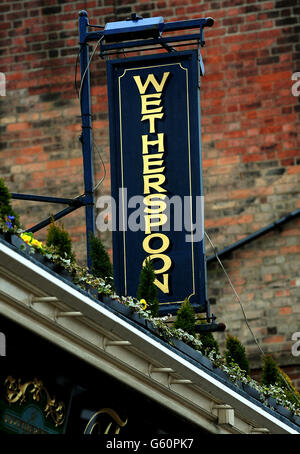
(45,304)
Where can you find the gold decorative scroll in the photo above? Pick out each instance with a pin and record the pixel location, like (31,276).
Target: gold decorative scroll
(16,392)
(94,421)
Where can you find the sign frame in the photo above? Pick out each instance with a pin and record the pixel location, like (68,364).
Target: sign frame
(188,63)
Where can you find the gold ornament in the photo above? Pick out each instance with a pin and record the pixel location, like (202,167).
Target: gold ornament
(16,392)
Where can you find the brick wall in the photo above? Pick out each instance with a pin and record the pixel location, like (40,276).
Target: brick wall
(250,127)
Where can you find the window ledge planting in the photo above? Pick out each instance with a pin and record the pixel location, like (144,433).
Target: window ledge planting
(272,396)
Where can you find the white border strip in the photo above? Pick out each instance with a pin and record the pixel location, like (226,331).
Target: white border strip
(96,312)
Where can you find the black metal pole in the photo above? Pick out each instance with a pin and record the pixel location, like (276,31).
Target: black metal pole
(47,199)
(86,137)
(56,216)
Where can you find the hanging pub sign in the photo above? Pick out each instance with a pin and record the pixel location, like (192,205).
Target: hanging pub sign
(156,176)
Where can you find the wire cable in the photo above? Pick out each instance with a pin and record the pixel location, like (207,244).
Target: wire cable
(75,72)
(79,94)
(87,67)
(245,317)
(235,293)
(104,168)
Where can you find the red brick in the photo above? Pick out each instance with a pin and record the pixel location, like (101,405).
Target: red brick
(293,170)
(253,157)
(273,339)
(208,163)
(75,162)
(286,310)
(290,249)
(228,160)
(240,193)
(56,164)
(17,126)
(282,292)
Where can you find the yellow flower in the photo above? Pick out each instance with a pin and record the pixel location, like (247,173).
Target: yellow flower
(37,243)
(31,241)
(26,238)
(142,301)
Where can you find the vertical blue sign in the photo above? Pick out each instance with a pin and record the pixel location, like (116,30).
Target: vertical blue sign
(156,176)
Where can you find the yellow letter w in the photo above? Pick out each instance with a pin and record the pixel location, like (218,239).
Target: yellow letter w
(151,79)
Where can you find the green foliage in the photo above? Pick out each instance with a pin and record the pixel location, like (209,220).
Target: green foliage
(59,238)
(185,318)
(147,290)
(101,264)
(235,352)
(270,372)
(209,343)
(7,213)
(273,375)
(291,392)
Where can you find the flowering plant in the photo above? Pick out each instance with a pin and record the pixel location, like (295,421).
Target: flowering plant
(31,241)
(83,278)
(144,303)
(7,224)
(237,376)
(9,221)
(80,275)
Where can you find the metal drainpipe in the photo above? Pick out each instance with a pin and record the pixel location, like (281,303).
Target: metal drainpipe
(255,235)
